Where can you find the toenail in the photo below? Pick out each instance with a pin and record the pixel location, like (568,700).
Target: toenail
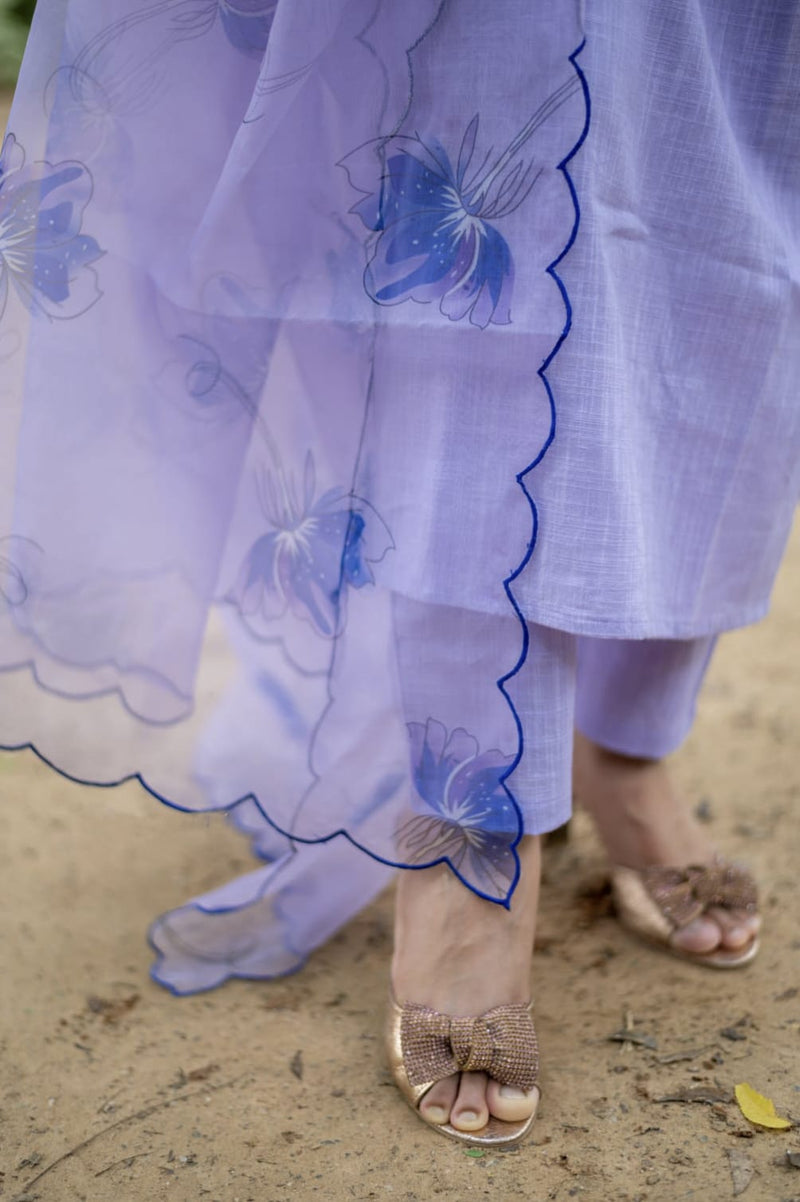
(436,1114)
(468,1116)
(510,1091)
(738,935)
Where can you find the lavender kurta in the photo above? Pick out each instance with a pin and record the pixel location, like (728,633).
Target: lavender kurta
(315,392)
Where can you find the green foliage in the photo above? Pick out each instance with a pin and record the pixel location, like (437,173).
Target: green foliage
(15,17)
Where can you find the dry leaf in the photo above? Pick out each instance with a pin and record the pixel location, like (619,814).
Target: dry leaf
(202,1074)
(758,1109)
(112,1011)
(741,1170)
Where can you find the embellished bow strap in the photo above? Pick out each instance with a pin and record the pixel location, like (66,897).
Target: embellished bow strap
(683,894)
(501,1042)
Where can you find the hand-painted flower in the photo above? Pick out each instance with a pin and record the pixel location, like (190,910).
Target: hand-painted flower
(314,552)
(43,253)
(474,825)
(126,65)
(434,222)
(247,23)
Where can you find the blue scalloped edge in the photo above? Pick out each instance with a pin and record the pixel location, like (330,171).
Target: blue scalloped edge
(501,683)
(542,373)
(301,957)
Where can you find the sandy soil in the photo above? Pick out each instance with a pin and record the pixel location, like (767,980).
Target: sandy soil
(112,1089)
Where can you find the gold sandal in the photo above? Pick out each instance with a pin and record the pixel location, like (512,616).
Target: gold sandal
(655,902)
(424,1046)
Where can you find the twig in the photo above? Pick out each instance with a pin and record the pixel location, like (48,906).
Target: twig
(144,1113)
(627,1025)
(126,1160)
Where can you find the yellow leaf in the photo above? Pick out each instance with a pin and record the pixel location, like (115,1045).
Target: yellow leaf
(758,1109)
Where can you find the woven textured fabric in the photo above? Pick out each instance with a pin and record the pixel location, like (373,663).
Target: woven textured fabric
(500,1042)
(666,503)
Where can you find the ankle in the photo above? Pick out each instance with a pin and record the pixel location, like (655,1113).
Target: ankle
(458,952)
(640,816)
(593,758)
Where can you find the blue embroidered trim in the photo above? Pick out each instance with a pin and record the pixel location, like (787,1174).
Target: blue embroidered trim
(508,582)
(300,957)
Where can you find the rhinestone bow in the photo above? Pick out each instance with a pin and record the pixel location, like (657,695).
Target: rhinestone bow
(683,894)
(501,1042)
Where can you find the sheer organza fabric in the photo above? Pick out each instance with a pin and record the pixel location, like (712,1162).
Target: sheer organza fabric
(296,469)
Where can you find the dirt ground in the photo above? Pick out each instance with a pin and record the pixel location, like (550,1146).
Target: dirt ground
(111,1089)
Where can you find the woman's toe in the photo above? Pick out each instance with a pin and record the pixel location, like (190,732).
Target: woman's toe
(737,927)
(470,1111)
(435,1107)
(510,1104)
(698,937)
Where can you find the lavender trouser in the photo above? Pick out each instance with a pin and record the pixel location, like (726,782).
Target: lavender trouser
(636,697)
(633,696)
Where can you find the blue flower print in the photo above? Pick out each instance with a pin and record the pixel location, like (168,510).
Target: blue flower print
(125,66)
(247,23)
(434,221)
(315,550)
(43,254)
(471,820)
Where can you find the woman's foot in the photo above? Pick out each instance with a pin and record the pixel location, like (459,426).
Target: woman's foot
(643,822)
(462,955)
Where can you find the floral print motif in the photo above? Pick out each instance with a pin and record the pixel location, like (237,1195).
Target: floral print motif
(124,67)
(315,550)
(215,393)
(473,823)
(434,221)
(247,23)
(43,254)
